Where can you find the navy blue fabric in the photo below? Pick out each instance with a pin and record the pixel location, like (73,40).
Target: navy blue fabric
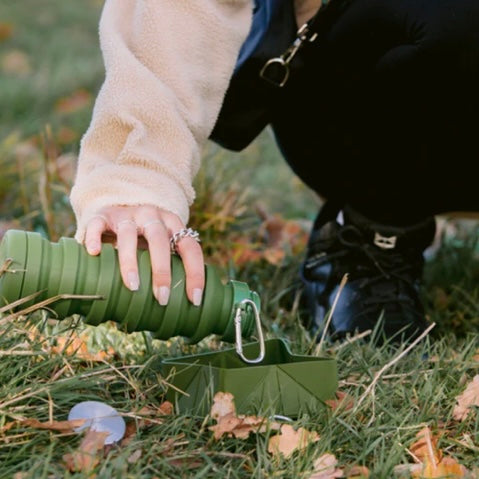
(262,16)
(246,109)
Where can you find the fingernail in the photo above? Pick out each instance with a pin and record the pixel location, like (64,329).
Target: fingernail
(133,281)
(92,248)
(197,296)
(163,295)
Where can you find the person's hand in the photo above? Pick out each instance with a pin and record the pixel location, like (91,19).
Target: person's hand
(125,224)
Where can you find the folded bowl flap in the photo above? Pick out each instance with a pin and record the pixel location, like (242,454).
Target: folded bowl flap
(282,382)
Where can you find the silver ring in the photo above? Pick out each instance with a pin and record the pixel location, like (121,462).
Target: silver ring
(183,233)
(124,222)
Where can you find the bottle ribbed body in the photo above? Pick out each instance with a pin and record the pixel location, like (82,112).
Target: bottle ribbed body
(38,265)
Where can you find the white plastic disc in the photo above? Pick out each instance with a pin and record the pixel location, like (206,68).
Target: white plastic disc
(99,417)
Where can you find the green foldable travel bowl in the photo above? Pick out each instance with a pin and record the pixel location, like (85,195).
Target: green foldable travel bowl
(283,383)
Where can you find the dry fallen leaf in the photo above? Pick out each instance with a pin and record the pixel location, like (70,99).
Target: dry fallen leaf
(223,404)
(146,416)
(76,101)
(229,424)
(61,426)
(5,428)
(16,62)
(71,345)
(135,456)
(290,440)
(239,427)
(446,468)
(274,255)
(357,472)
(6,30)
(425,447)
(66,135)
(431,462)
(86,457)
(343,401)
(325,468)
(469,398)
(77,346)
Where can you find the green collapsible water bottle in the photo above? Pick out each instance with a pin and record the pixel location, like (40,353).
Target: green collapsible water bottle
(32,264)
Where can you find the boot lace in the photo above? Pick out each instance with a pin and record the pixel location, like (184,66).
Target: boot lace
(389,275)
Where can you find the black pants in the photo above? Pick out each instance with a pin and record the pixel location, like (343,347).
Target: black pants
(385,116)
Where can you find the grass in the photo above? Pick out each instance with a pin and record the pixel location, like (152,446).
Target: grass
(38,144)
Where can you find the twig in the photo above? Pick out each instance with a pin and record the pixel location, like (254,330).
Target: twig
(331,312)
(353,339)
(22,353)
(5,265)
(390,364)
(19,302)
(46,302)
(31,393)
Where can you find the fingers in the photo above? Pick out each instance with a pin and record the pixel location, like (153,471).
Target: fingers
(94,231)
(127,242)
(155,233)
(192,255)
(156,227)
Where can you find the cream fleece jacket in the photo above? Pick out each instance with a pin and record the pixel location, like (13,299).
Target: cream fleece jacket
(168,65)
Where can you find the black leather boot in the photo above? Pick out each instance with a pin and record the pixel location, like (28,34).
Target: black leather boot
(384,266)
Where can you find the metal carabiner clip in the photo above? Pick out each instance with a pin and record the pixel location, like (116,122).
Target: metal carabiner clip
(267,73)
(239,341)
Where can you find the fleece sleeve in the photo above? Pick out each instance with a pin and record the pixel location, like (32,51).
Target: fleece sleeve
(168,64)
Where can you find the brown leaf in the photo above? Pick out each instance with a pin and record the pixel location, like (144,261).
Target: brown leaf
(229,424)
(66,135)
(134,457)
(166,408)
(86,457)
(6,31)
(76,101)
(290,440)
(425,447)
(343,401)
(185,462)
(431,463)
(282,233)
(76,346)
(16,62)
(239,427)
(358,472)
(223,404)
(7,427)
(469,398)
(130,432)
(274,256)
(325,468)
(61,426)
(447,468)
(244,252)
